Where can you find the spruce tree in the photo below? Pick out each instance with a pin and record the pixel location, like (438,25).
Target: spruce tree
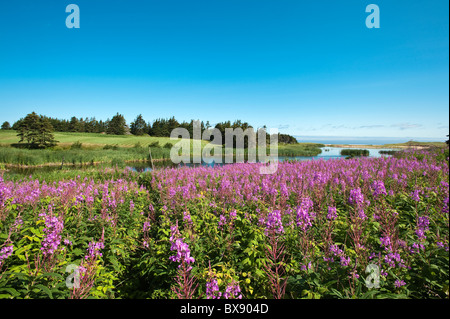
(138,126)
(6,126)
(117,125)
(36,131)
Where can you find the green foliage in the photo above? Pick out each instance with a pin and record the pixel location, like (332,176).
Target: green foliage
(354,152)
(36,131)
(76,146)
(138,126)
(135,264)
(111,147)
(6,126)
(117,125)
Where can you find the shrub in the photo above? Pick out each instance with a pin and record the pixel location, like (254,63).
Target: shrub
(114,147)
(76,146)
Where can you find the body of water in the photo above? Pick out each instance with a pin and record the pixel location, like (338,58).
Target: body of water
(327,153)
(363,140)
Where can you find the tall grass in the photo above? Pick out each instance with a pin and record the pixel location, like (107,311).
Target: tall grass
(9,155)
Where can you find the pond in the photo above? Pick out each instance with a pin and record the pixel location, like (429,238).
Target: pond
(335,152)
(327,153)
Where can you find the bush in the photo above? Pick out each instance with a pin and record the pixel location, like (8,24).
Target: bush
(76,146)
(391,152)
(355,152)
(114,147)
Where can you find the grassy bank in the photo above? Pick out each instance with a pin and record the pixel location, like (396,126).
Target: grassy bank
(11,156)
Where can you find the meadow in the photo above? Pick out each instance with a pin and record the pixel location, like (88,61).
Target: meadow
(310,230)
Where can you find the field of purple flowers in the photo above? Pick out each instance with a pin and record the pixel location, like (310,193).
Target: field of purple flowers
(356,228)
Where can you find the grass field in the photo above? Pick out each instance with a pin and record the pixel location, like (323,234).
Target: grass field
(90,140)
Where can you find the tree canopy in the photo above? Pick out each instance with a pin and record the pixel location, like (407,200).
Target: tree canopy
(36,131)
(160,127)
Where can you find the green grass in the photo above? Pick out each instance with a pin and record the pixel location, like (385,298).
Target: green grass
(414,143)
(10,155)
(90,140)
(301,149)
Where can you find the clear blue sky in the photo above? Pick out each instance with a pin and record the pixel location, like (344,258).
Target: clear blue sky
(305,67)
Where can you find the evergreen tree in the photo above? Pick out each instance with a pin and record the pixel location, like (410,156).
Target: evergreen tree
(138,126)
(73,124)
(27,131)
(117,125)
(45,133)
(36,131)
(6,126)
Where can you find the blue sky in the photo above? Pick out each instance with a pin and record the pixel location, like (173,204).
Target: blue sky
(309,68)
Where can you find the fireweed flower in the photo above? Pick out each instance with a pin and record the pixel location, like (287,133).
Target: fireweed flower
(399,283)
(187,218)
(415,248)
(5,252)
(174,233)
(422,226)
(306,267)
(274,222)
(233,291)
(445,208)
(67,242)
(345,261)
(337,252)
(212,289)
(378,188)
(415,195)
(146,226)
(386,243)
(183,252)
(332,213)
(392,258)
(94,250)
(222,221)
(304,216)
(52,237)
(356,197)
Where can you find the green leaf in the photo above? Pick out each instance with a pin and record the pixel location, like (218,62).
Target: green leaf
(11,291)
(46,290)
(53,274)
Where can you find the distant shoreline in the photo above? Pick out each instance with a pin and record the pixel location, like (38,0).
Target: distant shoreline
(398,146)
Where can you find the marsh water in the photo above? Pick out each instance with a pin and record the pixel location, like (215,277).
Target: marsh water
(327,153)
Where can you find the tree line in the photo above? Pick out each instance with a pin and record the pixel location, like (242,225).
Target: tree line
(36,129)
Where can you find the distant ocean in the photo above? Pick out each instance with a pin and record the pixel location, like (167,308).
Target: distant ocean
(362,140)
